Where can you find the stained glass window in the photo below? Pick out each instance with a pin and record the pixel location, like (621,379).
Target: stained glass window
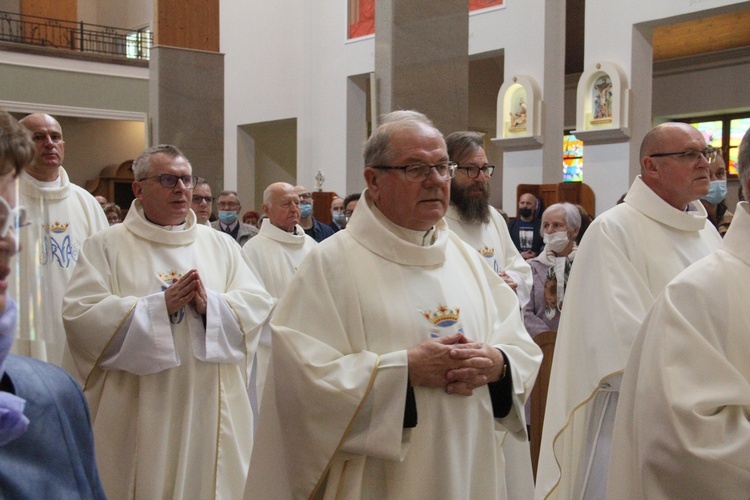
(724,132)
(572,159)
(737,129)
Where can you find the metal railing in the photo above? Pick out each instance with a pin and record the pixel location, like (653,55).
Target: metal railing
(75,36)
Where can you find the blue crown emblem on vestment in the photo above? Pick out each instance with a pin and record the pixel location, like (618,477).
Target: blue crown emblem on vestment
(169,277)
(58,227)
(487,252)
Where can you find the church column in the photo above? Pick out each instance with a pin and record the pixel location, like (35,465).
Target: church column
(186,90)
(421,59)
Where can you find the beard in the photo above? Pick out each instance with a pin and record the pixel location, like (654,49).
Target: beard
(472,202)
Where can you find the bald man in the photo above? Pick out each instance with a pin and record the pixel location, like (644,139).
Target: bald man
(276,253)
(628,256)
(62,216)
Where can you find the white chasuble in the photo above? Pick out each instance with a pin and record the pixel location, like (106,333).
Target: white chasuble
(492,241)
(275,256)
(682,428)
(60,218)
(168,394)
(333,414)
(627,256)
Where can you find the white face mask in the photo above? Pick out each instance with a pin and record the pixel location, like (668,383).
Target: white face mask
(556,242)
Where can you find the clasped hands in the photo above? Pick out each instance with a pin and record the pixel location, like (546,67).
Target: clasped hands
(454,363)
(187,290)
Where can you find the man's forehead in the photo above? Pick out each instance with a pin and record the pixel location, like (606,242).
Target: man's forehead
(202,188)
(228,197)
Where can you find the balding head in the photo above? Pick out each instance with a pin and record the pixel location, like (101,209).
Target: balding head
(281,205)
(677,179)
(50,146)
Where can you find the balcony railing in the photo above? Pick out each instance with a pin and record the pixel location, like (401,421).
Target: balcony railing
(75,36)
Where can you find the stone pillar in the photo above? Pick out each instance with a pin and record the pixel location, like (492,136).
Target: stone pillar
(186,84)
(421,59)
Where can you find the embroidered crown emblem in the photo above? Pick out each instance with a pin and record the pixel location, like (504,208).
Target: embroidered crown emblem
(444,316)
(487,252)
(169,277)
(58,227)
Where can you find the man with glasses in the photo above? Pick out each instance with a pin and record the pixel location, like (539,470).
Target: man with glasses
(627,257)
(62,216)
(163,318)
(475,221)
(229,211)
(399,359)
(682,427)
(202,202)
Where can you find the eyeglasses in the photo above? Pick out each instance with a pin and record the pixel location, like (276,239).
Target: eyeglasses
(692,155)
(11,217)
(54,137)
(198,199)
(472,171)
(231,205)
(169,181)
(420,172)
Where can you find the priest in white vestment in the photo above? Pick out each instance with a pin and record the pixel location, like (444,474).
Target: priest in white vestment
(682,428)
(400,362)
(163,317)
(275,254)
(61,216)
(627,256)
(479,224)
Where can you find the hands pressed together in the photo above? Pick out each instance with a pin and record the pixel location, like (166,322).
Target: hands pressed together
(455,364)
(187,290)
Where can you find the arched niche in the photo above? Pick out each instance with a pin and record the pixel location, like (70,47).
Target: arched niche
(519,111)
(602,104)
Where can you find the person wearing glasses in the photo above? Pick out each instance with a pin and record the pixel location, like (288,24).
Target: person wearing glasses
(399,358)
(62,216)
(681,429)
(475,221)
(229,212)
(202,201)
(163,318)
(627,257)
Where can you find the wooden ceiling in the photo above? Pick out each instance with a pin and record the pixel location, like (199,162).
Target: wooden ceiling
(690,38)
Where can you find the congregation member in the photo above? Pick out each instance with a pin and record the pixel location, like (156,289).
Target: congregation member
(628,256)
(61,215)
(251,217)
(202,202)
(682,427)
(113,212)
(561,223)
(163,317)
(414,364)
(338,214)
(229,210)
(350,203)
(46,445)
(475,221)
(713,202)
(524,229)
(275,254)
(313,228)
(102,200)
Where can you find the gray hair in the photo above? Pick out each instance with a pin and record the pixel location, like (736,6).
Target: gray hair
(16,147)
(378,150)
(743,162)
(142,164)
(572,215)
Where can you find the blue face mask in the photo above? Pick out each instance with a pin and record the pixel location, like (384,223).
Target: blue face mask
(227,216)
(339,218)
(716,192)
(305,209)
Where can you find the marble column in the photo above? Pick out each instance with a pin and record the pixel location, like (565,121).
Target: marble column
(421,59)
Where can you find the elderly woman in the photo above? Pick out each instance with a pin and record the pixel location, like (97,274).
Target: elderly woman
(560,225)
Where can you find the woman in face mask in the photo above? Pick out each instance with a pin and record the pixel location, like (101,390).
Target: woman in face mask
(718,214)
(560,225)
